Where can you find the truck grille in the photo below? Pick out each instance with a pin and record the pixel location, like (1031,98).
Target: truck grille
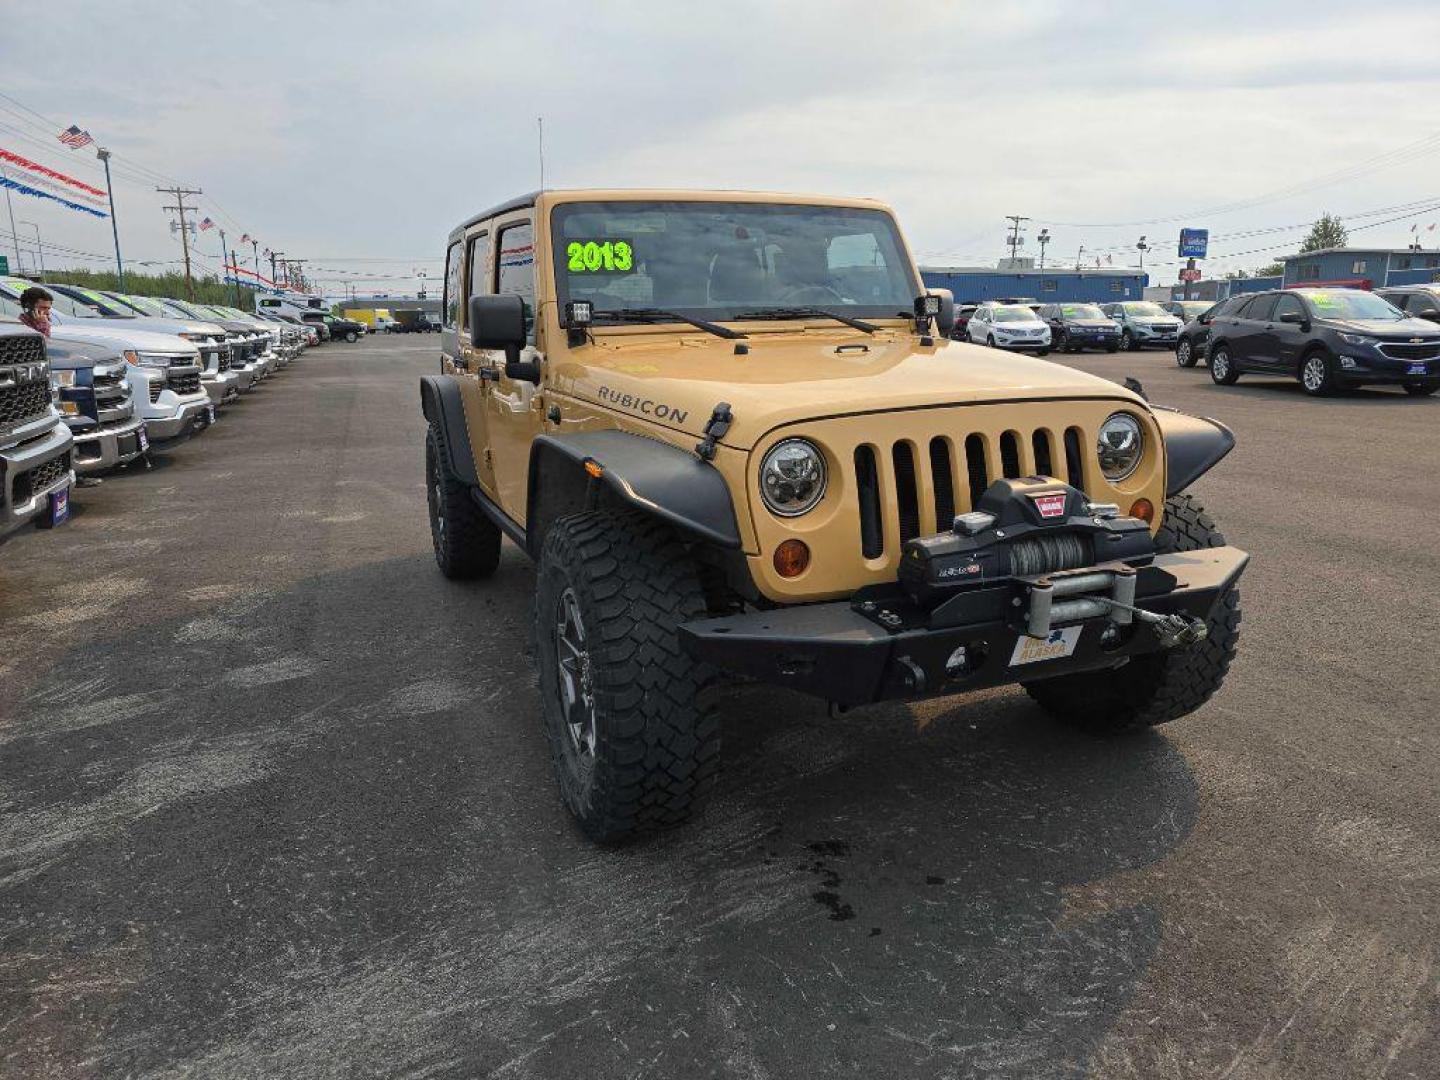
(183,382)
(155,387)
(952,474)
(222,361)
(25,401)
(1404,350)
(21,349)
(40,477)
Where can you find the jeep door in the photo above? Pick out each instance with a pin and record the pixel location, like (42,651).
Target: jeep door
(467,274)
(514,407)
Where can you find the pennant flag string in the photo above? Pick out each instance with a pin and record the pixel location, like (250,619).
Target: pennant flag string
(34,166)
(26,189)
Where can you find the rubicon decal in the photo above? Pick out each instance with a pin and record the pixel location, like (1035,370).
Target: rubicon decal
(644,406)
(1050,506)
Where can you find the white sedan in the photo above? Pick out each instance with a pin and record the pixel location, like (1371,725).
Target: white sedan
(1009,326)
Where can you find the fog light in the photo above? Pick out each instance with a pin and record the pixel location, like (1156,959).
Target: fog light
(1143,509)
(792,558)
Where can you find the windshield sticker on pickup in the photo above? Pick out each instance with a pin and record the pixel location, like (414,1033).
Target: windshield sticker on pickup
(600,256)
(644,406)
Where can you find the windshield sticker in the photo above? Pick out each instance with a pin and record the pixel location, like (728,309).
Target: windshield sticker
(1322,299)
(600,256)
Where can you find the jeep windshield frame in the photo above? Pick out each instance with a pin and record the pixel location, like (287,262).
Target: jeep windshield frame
(717,261)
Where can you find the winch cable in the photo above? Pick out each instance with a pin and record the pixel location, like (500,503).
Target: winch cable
(1047,554)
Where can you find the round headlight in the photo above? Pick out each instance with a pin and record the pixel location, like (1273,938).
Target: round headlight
(1121,442)
(792,477)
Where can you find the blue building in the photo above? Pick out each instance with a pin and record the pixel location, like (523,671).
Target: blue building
(1220,288)
(971,284)
(1362,268)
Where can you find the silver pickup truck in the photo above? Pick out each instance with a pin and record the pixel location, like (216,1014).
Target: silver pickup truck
(35,445)
(96,403)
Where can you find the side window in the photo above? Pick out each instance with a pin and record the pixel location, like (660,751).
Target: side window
(1288,305)
(452,286)
(515,269)
(1261,307)
(1422,304)
(478,266)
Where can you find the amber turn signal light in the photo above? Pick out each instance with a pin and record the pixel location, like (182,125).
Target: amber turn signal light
(1143,509)
(791,558)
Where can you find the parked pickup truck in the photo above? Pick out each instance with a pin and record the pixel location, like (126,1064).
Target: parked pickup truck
(87,379)
(35,444)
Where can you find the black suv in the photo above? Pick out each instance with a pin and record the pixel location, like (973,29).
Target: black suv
(1074,327)
(1326,338)
(1417,301)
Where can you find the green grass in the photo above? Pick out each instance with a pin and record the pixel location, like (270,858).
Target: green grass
(207,290)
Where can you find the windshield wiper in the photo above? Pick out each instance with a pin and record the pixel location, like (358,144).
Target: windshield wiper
(802,312)
(654,315)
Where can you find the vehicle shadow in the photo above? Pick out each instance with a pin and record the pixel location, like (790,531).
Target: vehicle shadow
(314,833)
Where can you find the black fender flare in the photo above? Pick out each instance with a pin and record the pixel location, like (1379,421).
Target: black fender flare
(1193,446)
(443,406)
(645,473)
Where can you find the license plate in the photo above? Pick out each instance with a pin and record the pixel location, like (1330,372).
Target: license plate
(59,507)
(1060,643)
(209,414)
(1417,369)
(142,439)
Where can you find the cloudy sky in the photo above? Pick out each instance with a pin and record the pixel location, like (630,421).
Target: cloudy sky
(356,134)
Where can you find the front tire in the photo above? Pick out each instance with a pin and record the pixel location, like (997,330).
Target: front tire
(633,733)
(466,542)
(351,336)
(1420,389)
(1158,687)
(1317,374)
(1128,342)
(1222,367)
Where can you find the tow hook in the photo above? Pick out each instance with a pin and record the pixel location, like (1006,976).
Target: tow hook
(1174,631)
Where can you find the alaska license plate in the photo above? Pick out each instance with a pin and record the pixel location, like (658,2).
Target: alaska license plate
(1058,644)
(1417,369)
(209,414)
(142,440)
(59,507)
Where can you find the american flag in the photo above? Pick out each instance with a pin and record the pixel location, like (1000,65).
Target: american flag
(74,138)
(206,223)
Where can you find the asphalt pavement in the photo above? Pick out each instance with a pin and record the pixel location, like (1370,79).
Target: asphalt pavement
(275,800)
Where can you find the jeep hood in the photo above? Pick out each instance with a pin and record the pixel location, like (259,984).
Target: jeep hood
(676,381)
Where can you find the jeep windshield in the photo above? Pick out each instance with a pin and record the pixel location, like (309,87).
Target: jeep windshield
(719,261)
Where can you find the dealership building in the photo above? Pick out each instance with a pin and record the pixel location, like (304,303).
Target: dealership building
(972,284)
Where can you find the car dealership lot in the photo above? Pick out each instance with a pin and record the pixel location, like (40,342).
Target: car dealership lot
(276,800)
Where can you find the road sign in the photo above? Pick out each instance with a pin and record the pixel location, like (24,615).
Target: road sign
(1193,243)
(1189,275)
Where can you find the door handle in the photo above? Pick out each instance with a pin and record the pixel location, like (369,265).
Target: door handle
(488,374)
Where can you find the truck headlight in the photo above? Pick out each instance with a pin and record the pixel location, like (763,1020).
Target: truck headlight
(148,360)
(62,378)
(1120,444)
(792,477)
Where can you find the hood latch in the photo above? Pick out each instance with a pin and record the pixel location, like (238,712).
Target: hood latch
(715,429)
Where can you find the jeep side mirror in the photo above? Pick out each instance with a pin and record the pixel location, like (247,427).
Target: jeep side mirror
(498,322)
(945,318)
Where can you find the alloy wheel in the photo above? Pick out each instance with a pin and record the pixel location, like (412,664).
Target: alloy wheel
(1314,374)
(1182,353)
(577,690)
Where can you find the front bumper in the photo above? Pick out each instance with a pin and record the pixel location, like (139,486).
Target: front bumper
(108,445)
(833,651)
(20,498)
(1365,366)
(1023,344)
(192,414)
(224,386)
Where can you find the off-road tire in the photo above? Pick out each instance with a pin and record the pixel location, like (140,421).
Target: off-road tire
(466,542)
(1158,687)
(656,733)
(1420,389)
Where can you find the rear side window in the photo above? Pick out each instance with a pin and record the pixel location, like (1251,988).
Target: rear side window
(478,266)
(452,286)
(515,270)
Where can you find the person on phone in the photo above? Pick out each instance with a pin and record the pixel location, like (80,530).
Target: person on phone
(35,304)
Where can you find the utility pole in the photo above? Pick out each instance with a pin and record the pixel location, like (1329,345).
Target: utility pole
(255,250)
(274,255)
(104,155)
(1079,255)
(1042,240)
(38,243)
(180,209)
(1014,242)
(296,273)
(14,232)
(223,248)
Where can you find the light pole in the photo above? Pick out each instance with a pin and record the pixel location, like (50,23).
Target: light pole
(14,232)
(1042,240)
(1142,247)
(38,245)
(104,155)
(1079,255)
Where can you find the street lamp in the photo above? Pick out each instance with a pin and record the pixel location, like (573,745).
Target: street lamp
(1142,247)
(39,250)
(1042,240)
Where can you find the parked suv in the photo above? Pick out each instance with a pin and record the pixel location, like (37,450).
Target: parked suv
(1143,322)
(1328,339)
(1076,327)
(1190,345)
(95,401)
(35,444)
(711,421)
(1009,326)
(1417,301)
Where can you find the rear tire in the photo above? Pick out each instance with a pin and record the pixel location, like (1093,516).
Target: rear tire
(1222,367)
(630,717)
(1185,353)
(466,542)
(351,336)
(1317,374)
(1419,389)
(1127,341)
(1158,687)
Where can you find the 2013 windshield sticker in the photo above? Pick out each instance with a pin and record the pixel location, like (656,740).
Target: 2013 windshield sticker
(644,406)
(600,256)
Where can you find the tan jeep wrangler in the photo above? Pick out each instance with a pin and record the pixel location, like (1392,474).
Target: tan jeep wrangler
(733,433)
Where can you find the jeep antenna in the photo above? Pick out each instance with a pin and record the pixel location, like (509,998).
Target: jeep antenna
(540,127)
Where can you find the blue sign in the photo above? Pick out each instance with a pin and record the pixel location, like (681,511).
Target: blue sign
(1193,243)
